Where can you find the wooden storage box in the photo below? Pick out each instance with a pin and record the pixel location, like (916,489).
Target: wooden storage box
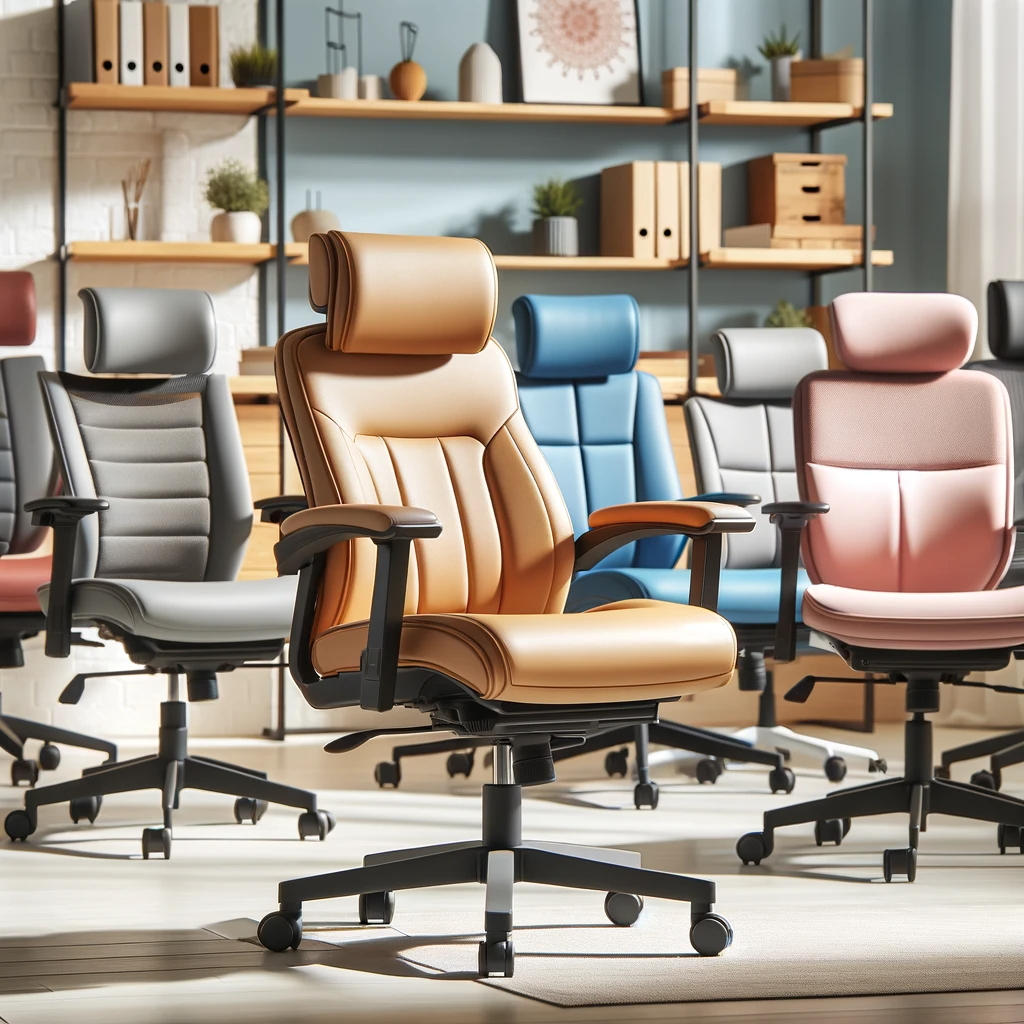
(827,81)
(797,188)
(796,236)
(712,84)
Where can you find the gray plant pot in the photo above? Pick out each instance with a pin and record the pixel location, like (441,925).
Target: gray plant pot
(556,236)
(781,76)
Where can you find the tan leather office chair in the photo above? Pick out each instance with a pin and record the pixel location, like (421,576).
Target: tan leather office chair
(406,426)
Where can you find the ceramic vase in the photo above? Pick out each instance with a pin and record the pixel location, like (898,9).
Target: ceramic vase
(480,75)
(311,222)
(245,227)
(371,87)
(343,85)
(556,236)
(781,76)
(408,80)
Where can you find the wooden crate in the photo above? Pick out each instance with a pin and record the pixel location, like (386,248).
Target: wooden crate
(796,236)
(797,188)
(827,81)
(712,84)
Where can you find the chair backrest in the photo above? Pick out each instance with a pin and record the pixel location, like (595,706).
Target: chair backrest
(1006,340)
(28,468)
(403,398)
(164,451)
(913,455)
(599,423)
(743,441)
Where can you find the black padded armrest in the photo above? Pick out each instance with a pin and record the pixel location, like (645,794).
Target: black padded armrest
(791,517)
(63,513)
(728,498)
(280,507)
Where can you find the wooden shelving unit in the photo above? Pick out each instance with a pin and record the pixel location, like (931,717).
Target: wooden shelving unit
(170,252)
(186,100)
(784,115)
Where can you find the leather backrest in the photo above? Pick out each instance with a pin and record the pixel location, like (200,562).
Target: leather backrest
(442,431)
(17,308)
(1006,319)
(167,455)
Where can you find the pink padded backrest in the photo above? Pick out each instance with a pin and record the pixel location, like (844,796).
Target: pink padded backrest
(917,467)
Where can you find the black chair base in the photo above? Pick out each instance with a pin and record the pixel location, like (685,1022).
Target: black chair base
(499,861)
(15,731)
(170,771)
(1005,750)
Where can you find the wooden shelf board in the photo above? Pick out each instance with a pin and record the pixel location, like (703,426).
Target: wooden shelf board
(582,263)
(170,252)
(185,99)
(791,259)
(757,112)
(445,110)
(252,384)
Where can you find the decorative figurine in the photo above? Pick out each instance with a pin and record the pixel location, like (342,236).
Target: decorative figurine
(408,80)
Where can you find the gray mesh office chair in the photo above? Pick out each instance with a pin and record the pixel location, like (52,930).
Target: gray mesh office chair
(148,539)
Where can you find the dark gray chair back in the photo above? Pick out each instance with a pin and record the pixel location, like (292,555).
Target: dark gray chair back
(165,452)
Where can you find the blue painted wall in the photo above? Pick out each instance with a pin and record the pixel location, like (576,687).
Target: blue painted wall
(470,178)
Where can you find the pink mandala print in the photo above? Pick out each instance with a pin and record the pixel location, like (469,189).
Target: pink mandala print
(583,36)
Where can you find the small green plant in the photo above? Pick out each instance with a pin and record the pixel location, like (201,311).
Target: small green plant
(253,65)
(234,189)
(556,198)
(785,314)
(780,45)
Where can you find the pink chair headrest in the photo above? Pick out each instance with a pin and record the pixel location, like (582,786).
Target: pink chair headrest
(17,307)
(892,332)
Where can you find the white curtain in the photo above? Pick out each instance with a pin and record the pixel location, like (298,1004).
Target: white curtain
(986,149)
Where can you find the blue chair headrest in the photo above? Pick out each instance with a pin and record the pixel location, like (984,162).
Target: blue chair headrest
(573,337)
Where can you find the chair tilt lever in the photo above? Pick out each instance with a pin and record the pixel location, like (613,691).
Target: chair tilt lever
(343,744)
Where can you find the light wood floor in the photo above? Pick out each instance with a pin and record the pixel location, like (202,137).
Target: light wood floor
(91,933)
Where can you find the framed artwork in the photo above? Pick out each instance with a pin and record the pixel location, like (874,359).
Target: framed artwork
(580,51)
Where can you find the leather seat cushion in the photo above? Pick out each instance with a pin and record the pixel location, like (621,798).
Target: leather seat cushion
(631,650)
(893,620)
(235,611)
(20,578)
(745,596)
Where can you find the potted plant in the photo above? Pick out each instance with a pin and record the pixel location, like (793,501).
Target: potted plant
(253,67)
(241,197)
(785,314)
(555,228)
(780,51)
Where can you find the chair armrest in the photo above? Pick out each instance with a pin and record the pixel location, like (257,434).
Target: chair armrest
(791,517)
(62,513)
(705,522)
(280,507)
(307,537)
(728,498)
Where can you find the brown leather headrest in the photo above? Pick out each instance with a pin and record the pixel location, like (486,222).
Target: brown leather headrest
(403,294)
(17,307)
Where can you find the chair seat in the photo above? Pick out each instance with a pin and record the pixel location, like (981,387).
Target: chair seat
(745,596)
(236,611)
(977,620)
(20,579)
(631,650)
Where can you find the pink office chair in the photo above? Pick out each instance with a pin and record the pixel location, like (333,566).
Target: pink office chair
(912,459)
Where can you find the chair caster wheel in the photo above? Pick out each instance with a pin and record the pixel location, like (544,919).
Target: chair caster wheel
(248,809)
(645,794)
(85,808)
(315,823)
(882,766)
(376,908)
(900,862)
(156,841)
(985,780)
(710,934)
(623,908)
(754,847)
(1010,837)
(496,958)
(829,831)
(49,757)
(781,780)
(19,825)
(24,770)
(388,774)
(459,764)
(835,769)
(708,770)
(280,931)
(616,763)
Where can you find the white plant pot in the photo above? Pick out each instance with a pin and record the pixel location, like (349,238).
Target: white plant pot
(556,236)
(480,75)
(781,67)
(243,227)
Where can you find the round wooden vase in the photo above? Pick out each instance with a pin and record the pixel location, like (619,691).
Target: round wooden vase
(408,80)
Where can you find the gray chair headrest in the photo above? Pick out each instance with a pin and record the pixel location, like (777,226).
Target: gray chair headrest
(148,330)
(765,363)
(1006,319)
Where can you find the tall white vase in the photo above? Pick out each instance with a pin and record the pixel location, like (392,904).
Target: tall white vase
(480,75)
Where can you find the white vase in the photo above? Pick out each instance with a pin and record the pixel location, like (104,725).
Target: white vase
(556,236)
(480,75)
(341,86)
(371,87)
(244,227)
(781,67)
(311,222)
